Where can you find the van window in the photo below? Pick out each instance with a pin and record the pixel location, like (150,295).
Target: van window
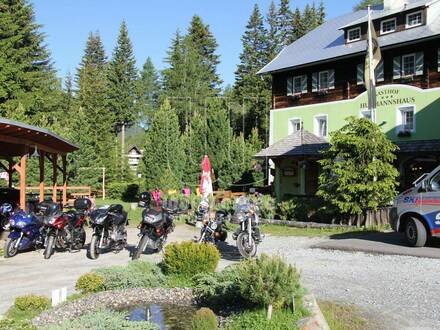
(435,182)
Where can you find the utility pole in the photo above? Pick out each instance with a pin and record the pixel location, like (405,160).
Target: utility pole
(103,183)
(123,141)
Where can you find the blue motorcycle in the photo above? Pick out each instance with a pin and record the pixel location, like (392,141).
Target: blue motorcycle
(6,211)
(25,233)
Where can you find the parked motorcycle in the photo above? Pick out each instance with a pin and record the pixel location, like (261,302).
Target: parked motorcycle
(24,233)
(248,234)
(6,211)
(212,230)
(109,232)
(66,230)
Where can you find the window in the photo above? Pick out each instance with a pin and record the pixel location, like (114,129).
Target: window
(408,65)
(414,19)
(323,80)
(294,125)
(388,26)
(321,128)
(297,85)
(406,121)
(435,183)
(354,34)
(366,114)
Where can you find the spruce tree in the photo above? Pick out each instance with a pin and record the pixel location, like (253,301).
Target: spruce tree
(164,157)
(363,4)
(148,92)
(272,33)
(27,78)
(285,29)
(251,90)
(299,29)
(122,75)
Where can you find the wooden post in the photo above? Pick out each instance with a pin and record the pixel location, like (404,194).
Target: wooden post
(103,183)
(64,158)
(41,186)
(10,172)
(54,177)
(22,172)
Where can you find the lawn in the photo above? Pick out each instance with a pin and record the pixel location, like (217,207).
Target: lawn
(343,317)
(280,230)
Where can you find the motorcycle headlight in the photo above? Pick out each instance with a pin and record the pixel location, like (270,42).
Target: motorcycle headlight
(240,217)
(213,225)
(99,219)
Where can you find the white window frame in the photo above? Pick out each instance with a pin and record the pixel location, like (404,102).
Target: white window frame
(319,80)
(316,125)
(351,30)
(407,26)
(399,118)
(363,112)
(404,75)
(293,121)
(386,21)
(300,78)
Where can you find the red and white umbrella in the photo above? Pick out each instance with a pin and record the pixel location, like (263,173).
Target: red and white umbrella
(205,186)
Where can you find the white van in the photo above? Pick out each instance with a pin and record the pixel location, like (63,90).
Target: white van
(416,211)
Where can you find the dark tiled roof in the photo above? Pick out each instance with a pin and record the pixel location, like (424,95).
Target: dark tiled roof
(327,41)
(418,146)
(302,143)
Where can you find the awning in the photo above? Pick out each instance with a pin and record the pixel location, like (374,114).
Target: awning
(301,143)
(421,146)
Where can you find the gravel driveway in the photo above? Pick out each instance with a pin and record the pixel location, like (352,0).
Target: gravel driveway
(398,292)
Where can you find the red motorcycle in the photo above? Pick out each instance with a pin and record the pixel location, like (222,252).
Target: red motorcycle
(65,230)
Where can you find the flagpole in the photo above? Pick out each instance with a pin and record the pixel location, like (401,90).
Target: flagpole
(371,67)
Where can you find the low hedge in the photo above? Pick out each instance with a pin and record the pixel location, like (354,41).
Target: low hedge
(90,283)
(126,191)
(204,319)
(32,303)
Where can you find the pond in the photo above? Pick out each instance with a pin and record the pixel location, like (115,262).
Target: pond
(167,316)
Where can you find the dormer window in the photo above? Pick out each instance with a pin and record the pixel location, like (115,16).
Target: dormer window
(354,34)
(414,19)
(388,26)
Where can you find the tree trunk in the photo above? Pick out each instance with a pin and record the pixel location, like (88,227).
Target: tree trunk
(269,312)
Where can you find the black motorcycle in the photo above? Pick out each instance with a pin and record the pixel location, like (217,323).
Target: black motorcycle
(211,230)
(6,211)
(109,230)
(155,226)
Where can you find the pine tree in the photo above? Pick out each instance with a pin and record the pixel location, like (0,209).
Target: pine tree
(148,92)
(363,4)
(285,29)
(272,33)
(205,45)
(27,78)
(122,75)
(299,29)
(164,157)
(68,97)
(251,90)
(321,13)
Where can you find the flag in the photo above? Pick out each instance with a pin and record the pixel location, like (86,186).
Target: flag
(372,60)
(205,186)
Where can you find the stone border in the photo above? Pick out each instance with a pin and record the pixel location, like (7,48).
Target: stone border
(304,224)
(117,299)
(316,321)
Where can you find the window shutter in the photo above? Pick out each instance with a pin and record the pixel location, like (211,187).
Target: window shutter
(438,60)
(397,67)
(315,82)
(331,79)
(289,85)
(360,74)
(304,84)
(379,72)
(419,63)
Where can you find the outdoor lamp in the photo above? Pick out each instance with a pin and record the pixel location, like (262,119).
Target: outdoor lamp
(35,154)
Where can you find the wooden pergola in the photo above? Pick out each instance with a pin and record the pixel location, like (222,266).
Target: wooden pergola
(18,141)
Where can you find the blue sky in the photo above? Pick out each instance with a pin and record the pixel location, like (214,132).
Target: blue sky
(151,25)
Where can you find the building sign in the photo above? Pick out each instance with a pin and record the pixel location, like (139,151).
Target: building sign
(390,96)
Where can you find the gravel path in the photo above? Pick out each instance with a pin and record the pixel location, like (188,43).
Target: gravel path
(398,292)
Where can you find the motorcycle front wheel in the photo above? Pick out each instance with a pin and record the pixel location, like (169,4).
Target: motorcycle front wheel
(247,249)
(93,251)
(10,249)
(48,251)
(141,247)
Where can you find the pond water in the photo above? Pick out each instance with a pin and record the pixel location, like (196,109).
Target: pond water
(168,317)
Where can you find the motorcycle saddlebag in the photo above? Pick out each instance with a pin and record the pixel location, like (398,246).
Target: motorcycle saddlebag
(47,208)
(82,204)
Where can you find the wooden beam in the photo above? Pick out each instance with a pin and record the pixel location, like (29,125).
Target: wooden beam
(11,172)
(14,140)
(64,158)
(22,173)
(54,177)
(41,186)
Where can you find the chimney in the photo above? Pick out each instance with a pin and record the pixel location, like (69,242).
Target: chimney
(394,4)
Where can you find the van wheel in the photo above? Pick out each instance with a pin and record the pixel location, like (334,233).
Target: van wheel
(415,233)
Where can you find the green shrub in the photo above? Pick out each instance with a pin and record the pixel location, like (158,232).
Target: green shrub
(267,206)
(90,283)
(286,209)
(102,320)
(189,258)
(226,205)
(216,289)
(256,320)
(123,190)
(204,319)
(269,281)
(32,302)
(137,274)
(11,324)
